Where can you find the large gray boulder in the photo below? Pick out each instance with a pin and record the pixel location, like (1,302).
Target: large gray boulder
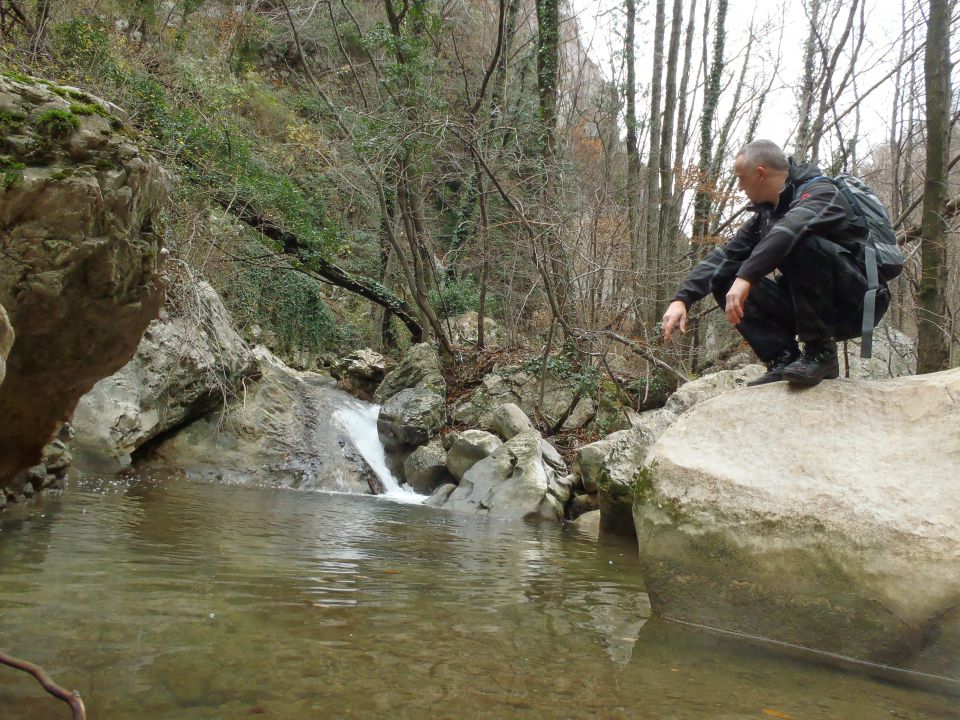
(190,362)
(426,468)
(508,420)
(610,466)
(80,274)
(512,482)
(419,368)
(410,418)
(522,388)
(894,355)
(288,430)
(827,517)
(464,330)
(362,370)
(590,459)
(468,448)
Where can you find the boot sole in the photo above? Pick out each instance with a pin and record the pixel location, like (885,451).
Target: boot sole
(809,381)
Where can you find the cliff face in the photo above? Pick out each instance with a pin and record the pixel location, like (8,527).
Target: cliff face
(79,255)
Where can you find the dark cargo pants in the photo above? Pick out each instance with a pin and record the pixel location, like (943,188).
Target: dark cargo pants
(818,295)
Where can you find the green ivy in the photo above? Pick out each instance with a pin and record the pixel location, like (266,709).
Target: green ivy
(290,306)
(584,378)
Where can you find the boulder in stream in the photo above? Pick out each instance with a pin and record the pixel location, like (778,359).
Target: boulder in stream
(468,449)
(362,370)
(426,468)
(290,429)
(512,482)
(610,466)
(190,362)
(826,517)
(80,271)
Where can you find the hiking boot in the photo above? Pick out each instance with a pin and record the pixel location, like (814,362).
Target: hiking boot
(818,362)
(775,367)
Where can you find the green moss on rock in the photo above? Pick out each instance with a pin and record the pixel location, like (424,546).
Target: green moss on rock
(11,171)
(78,108)
(11,122)
(57,124)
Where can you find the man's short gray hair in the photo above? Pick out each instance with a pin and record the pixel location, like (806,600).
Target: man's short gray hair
(766,153)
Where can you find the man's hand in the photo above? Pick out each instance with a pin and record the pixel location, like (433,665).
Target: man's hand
(675,315)
(736,297)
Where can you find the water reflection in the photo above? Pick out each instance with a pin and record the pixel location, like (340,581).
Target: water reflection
(167,599)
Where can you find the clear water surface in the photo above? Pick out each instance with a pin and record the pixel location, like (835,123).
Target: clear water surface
(165,599)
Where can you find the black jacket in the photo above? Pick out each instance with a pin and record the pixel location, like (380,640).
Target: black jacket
(762,242)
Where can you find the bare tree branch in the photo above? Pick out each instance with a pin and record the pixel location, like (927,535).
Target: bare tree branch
(70,698)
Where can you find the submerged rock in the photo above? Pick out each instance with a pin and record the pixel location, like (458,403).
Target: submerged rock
(190,362)
(440,495)
(284,432)
(827,517)
(588,523)
(80,268)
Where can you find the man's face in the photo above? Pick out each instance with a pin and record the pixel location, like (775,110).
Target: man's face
(751,179)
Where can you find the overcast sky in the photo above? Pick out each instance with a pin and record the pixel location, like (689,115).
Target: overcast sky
(783,27)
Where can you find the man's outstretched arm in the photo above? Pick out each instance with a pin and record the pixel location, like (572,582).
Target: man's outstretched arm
(723,261)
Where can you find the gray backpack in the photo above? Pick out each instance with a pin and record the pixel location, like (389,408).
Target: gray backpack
(873,214)
(882,255)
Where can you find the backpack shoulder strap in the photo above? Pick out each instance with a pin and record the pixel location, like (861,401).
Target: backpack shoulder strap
(808,183)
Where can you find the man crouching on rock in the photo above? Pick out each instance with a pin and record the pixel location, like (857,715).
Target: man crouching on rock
(799,229)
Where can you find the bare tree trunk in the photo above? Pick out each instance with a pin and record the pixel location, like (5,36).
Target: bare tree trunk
(548,73)
(808,83)
(702,200)
(633,152)
(666,239)
(652,199)
(681,140)
(933,349)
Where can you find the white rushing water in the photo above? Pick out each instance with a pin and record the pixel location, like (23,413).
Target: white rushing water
(359,420)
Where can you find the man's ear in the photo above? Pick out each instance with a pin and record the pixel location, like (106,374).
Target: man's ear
(762,172)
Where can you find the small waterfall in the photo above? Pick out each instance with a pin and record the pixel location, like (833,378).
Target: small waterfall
(359,420)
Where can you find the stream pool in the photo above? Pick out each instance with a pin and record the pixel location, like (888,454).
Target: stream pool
(160,598)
